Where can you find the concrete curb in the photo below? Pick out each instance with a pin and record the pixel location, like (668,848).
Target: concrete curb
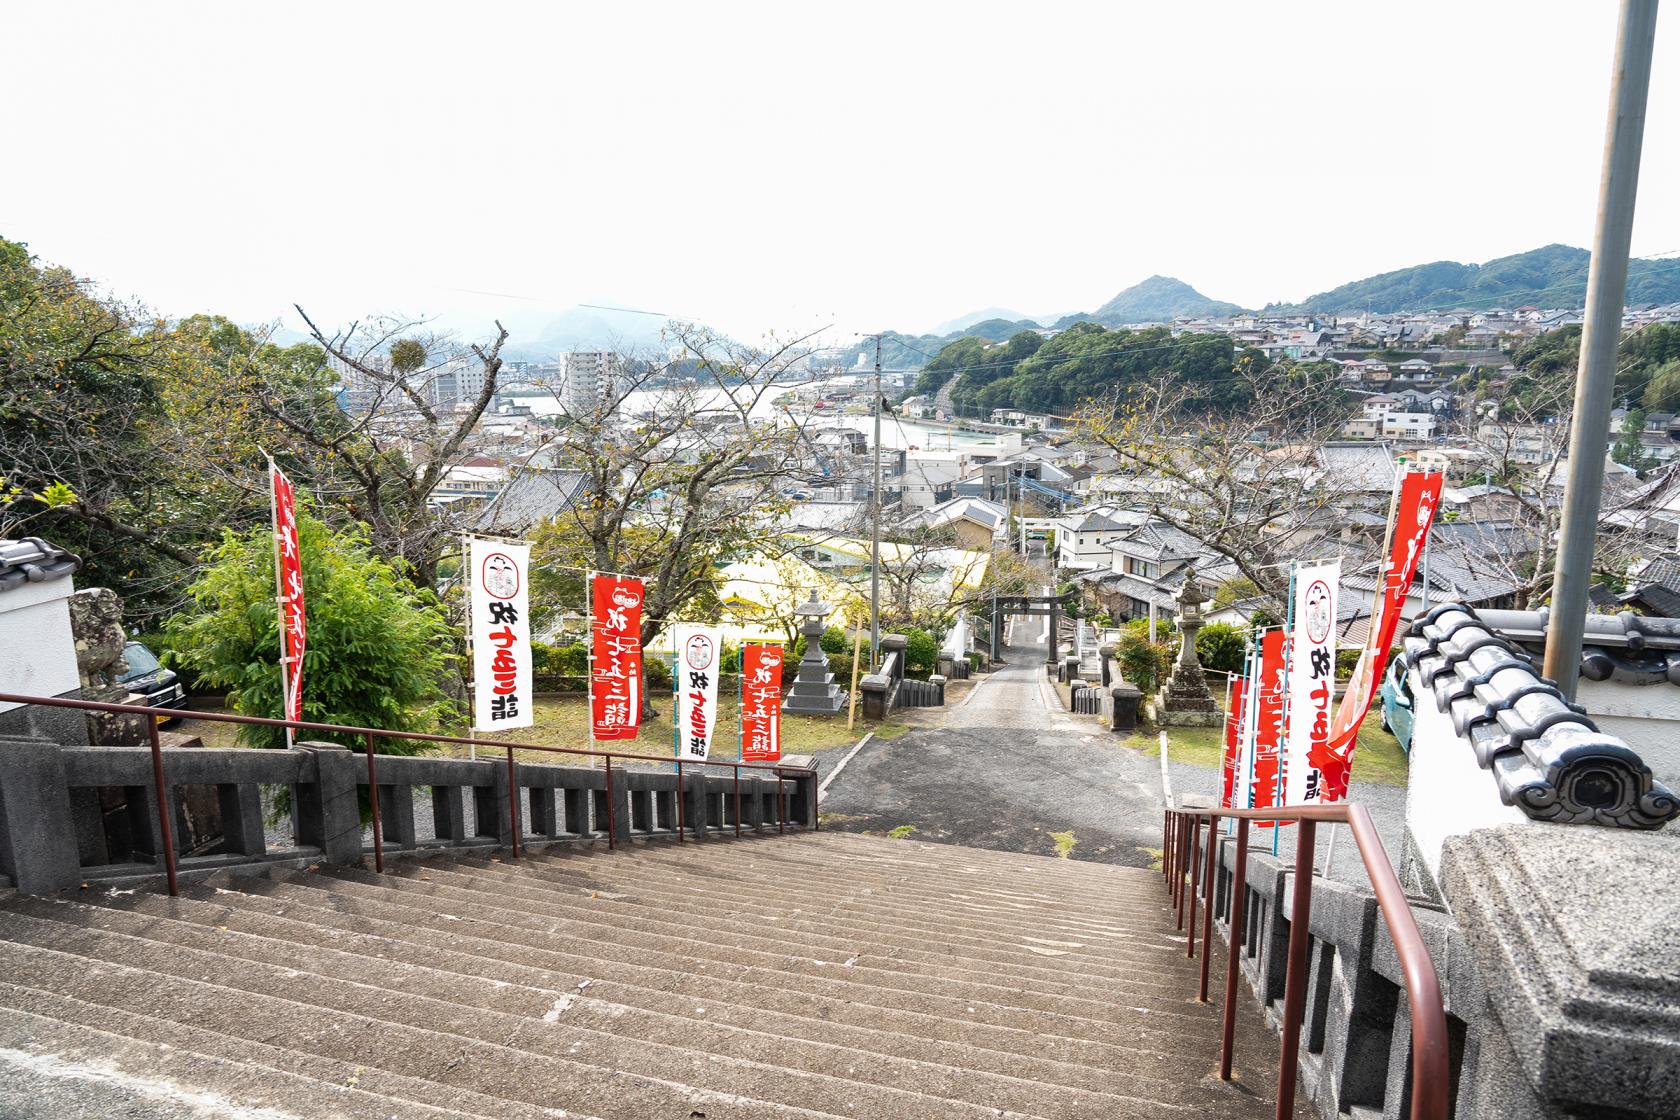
(841,765)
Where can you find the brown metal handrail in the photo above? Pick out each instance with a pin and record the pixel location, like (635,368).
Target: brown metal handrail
(1183,854)
(371,734)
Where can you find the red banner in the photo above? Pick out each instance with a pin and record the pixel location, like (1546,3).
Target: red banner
(1268,726)
(1233,740)
(1414,512)
(761,703)
(288,569)
(615,666)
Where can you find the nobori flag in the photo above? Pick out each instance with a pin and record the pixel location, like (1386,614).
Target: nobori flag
(501,635)
(695,683)
(1312,679)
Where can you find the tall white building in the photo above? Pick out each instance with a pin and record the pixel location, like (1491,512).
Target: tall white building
(457,380)
(590,375)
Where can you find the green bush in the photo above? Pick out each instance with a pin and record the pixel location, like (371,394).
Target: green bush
(834,640)
(921,651)
(378,650)
(1346,659)
(1143,663)
(1221,646)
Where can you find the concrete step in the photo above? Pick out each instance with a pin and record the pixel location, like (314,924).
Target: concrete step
(721,915)
(487,1069)
(1138,996)
(541,1027)
(966,1075)
(896,898)
(320,917)
(149,1060)
(701,1007)
(813,975)
(960,890)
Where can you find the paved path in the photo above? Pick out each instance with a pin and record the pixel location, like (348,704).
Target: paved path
(1010,770)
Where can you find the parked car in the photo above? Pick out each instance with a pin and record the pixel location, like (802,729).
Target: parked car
(1397,704)
(162,687)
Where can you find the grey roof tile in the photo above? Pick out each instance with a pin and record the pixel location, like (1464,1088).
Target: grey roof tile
(33,560)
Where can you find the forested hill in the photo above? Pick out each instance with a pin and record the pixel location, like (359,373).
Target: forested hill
(1551,276)
(1159,299)
(913,351)
(1087,360)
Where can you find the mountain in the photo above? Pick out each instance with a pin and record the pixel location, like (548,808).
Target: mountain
(1155,300)
(961,324)
(1551,276)
(588,328)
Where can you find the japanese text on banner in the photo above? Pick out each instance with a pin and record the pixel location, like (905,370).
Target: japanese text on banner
(293,631)
(615,666)
(1233,742)
(1414,512)
(1312,679)
(501,633)
(761,703)
(1264,792)
(695,682)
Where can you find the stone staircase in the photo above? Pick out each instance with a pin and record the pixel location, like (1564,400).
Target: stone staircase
(818,975)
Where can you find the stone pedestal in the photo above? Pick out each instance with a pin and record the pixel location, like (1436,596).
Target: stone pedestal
(1184,700)
(814,691)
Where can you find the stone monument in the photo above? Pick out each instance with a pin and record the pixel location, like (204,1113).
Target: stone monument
(1184,700)
(814,692)
(96,615)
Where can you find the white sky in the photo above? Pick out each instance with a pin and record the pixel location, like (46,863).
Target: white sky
(781,166)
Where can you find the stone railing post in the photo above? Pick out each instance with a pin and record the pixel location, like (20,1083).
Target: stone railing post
(329,812)
(875,688)
(38,846)
(1127,699)
(894,644)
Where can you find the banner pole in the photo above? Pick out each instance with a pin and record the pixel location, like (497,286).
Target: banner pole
(589,653)
(280,597)
(741,701)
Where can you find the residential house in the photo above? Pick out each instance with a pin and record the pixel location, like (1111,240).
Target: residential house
(532,496)
(1414,369)
(1082,538)
(976,522)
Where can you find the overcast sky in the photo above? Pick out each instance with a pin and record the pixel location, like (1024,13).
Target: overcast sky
(782,166)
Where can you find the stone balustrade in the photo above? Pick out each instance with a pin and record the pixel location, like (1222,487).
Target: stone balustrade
(56,831)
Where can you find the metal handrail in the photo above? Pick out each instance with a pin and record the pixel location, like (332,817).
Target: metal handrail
(1183,854)
(371,734)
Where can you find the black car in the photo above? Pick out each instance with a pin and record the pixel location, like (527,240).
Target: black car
(146,674)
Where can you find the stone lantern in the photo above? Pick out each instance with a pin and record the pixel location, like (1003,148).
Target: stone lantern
(814,691)
(1184,700)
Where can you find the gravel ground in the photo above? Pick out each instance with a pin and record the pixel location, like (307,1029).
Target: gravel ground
(1010,770)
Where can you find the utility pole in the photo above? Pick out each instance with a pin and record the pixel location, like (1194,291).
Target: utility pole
(875,530)
(1595,384)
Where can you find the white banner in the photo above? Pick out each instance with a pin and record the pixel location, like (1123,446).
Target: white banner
(501,634)
(695,682)
(1312,678)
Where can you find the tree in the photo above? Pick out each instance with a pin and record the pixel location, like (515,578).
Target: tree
(378,649)
(1249,484)
(1629,449)
(689,477)
(120,436)
(406,434)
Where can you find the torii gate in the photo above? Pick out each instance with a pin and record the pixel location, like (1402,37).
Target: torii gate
(1050,606)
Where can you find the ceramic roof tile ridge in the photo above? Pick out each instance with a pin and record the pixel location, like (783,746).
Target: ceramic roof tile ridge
(1546,756)
(33,560)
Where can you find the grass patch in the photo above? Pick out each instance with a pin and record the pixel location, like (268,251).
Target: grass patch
(1155,856)
(1378,757)
(902,832)
(564,722)
(1064,843)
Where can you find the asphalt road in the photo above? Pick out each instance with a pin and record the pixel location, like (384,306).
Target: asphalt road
(1010,770)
